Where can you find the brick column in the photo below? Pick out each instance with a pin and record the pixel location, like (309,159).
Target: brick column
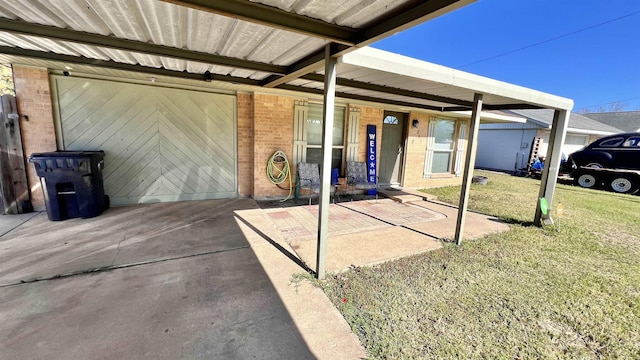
(273,130)
(33,95)
(245,145)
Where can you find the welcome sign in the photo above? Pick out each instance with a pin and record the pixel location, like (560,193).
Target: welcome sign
(371,153)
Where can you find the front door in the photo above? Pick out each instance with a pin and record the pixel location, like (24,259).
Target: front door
(392,148)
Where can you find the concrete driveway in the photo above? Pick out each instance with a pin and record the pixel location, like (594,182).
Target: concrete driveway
(198,280)
(163,281)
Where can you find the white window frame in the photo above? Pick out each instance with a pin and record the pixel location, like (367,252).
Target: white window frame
(345,126)
(456,151)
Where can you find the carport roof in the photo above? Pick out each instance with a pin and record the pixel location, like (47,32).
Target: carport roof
(266,43)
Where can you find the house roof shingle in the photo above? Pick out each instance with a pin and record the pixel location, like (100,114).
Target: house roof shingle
(626,121)
(576,121)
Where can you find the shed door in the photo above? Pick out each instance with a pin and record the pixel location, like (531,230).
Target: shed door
(160,144)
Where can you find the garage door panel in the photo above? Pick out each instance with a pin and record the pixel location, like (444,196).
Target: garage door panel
(132,121)
(160,144)
(206,153)
(168,187)
(132,170)
(143,179)
(119,160)
(210,132)
(220,107)
(88,124)
(190,163)
(127,139)
(74,94)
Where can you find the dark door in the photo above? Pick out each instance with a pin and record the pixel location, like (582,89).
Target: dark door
(392,148)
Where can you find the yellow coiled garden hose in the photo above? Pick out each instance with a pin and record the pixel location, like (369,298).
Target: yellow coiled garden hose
(278,174)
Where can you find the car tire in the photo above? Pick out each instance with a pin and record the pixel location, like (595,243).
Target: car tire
(624,184)
(585,180)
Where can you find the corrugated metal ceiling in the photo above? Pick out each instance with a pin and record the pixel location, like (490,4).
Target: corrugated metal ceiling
(268,43)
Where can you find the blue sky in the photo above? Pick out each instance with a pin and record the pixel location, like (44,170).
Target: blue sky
(593,67)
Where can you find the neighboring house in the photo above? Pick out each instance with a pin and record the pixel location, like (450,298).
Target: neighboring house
(626,121)
(508,146)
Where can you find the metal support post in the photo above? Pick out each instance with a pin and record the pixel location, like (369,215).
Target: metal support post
(469,163)
(325,171)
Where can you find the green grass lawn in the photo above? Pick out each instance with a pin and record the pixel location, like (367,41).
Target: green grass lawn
(530,293)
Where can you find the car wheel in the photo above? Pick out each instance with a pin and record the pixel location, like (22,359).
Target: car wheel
(586,180)
(623,184)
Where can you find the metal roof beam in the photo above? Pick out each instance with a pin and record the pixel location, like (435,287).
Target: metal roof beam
(494,107)
(409,15)
(305,66)
(372,99)
(274,17)
(186,75)
(127,67)
(25,28)
(512,107)
(391,90)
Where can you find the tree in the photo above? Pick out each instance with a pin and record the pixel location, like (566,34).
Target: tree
(6,81)
(616,106)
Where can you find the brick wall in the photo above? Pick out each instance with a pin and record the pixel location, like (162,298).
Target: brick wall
(245,144)
(369,116)
(415,157)
(273,131)
(38,130)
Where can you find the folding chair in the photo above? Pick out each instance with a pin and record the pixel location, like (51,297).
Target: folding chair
(357,177)
(309,177)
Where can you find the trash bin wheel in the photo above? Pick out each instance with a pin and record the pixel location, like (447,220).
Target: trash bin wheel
(107,202)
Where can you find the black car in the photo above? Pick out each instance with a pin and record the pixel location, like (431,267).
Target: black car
(620,151)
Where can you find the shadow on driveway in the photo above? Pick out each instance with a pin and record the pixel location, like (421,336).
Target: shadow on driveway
(161,281)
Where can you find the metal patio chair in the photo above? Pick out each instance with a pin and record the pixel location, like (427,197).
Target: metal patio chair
(309,178)
(357,177)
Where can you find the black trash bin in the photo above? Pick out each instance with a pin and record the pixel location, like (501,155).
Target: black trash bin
(71,183)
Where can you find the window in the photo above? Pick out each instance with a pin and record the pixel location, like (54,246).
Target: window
(444,131)
(612,142)
(633,141)
(314,135)
(446,142)
(391,120)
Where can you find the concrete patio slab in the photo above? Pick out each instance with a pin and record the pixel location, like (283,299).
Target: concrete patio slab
(393,212)
(373,247)
(476,225)
(301,222)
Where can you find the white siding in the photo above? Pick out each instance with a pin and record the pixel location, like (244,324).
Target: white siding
(504,149)
(572,143)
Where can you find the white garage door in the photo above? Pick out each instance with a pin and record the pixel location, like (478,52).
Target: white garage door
(572,143)
(160,144)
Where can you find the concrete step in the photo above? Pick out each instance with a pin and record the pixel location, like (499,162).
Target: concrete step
(405,198)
